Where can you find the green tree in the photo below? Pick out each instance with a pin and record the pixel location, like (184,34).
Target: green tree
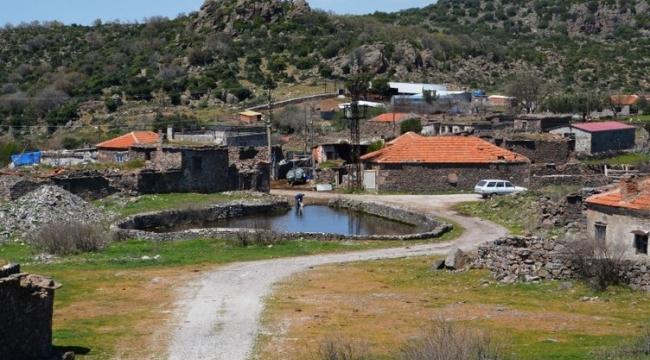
(413,124)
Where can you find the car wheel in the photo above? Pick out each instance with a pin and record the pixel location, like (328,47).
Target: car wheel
(484,196)
(493,194)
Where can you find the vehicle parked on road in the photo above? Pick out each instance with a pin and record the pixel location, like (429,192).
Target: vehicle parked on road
(490,187)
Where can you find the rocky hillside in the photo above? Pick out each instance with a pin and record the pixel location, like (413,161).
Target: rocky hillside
(227,51)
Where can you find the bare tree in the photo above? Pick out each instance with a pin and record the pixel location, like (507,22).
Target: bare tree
(9,88)
(292,119)
(530,91)
(50,99)
(596,264)
(14,103)
(170,74)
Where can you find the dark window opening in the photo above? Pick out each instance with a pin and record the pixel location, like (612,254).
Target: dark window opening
(641,243)
(600,235)
(147,156)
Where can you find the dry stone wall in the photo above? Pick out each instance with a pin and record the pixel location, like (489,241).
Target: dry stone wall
(516,258)
(26,308)
(524,258)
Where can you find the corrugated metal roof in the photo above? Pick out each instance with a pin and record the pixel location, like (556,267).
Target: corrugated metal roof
(411,88)
(602,126)
(412,147)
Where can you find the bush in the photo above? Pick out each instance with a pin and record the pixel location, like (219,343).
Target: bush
(338,349)
(69,237)
(260,233)
(448,341)
(636,348)
(597,265)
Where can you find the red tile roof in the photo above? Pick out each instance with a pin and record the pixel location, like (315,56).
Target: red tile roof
(127,140)
(613,198)
(414,148)
(602,126)
(388,117)
(624,99)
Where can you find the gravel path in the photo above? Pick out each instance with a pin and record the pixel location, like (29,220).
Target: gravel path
(218,317)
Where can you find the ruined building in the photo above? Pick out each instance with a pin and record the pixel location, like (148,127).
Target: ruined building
(26,303)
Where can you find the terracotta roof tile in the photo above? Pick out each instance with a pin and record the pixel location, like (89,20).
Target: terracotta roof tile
(414,148)
(624,99)
(602,126)
(388,117)
(613,198)
(127,140)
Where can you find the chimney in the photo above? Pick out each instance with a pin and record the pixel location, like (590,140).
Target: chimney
(629,186)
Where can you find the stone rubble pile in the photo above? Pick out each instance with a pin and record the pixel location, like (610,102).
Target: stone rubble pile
(45,205)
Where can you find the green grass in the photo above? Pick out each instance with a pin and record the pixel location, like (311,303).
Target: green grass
(623,159)
(519,213)
(533,321)
(159,202)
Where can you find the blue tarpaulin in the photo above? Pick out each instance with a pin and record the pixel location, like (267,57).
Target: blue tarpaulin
(26,158)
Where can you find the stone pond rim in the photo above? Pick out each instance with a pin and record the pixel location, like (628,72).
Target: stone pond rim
(132,227)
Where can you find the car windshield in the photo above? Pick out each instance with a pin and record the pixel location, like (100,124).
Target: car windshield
(481,183)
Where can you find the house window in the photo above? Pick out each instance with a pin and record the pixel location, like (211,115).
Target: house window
(119,158)
(640,242)
(600,232)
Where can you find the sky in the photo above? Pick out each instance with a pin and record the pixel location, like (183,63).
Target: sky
(85,12)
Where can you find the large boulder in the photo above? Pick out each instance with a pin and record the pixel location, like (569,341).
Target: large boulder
(457,260)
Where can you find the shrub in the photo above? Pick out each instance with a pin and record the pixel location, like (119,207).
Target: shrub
(69,237)
(636,348)
(448,341)
(260,233)
(597,265)
(338,349)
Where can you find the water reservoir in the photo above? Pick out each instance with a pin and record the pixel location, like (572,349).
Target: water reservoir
(310,218)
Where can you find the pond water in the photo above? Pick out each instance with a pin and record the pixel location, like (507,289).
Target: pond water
(311,218)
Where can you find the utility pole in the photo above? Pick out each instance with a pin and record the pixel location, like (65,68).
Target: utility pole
(355,174)
(269,122)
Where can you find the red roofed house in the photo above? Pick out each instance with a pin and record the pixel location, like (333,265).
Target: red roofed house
(621,217)
(117,149)
(418,163)
(624,103)
(396,117)
(595,137)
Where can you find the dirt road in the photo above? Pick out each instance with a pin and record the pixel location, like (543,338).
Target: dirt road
(218,317)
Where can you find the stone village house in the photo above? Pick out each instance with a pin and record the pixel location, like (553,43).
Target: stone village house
(621,217)
(117,149)
(418,163)
(595,137)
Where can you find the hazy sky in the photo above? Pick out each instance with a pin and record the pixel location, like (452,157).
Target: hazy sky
(84,12)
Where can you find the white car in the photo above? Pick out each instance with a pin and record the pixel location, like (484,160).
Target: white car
(491,187)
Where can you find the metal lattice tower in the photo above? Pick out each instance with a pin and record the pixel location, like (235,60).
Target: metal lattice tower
(355,174)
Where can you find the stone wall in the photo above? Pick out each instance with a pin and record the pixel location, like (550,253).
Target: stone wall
(580,174)
(442,177)
(524,258)
(131,228)
(541,152)
(376,130)
(517,258)
(26,307)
